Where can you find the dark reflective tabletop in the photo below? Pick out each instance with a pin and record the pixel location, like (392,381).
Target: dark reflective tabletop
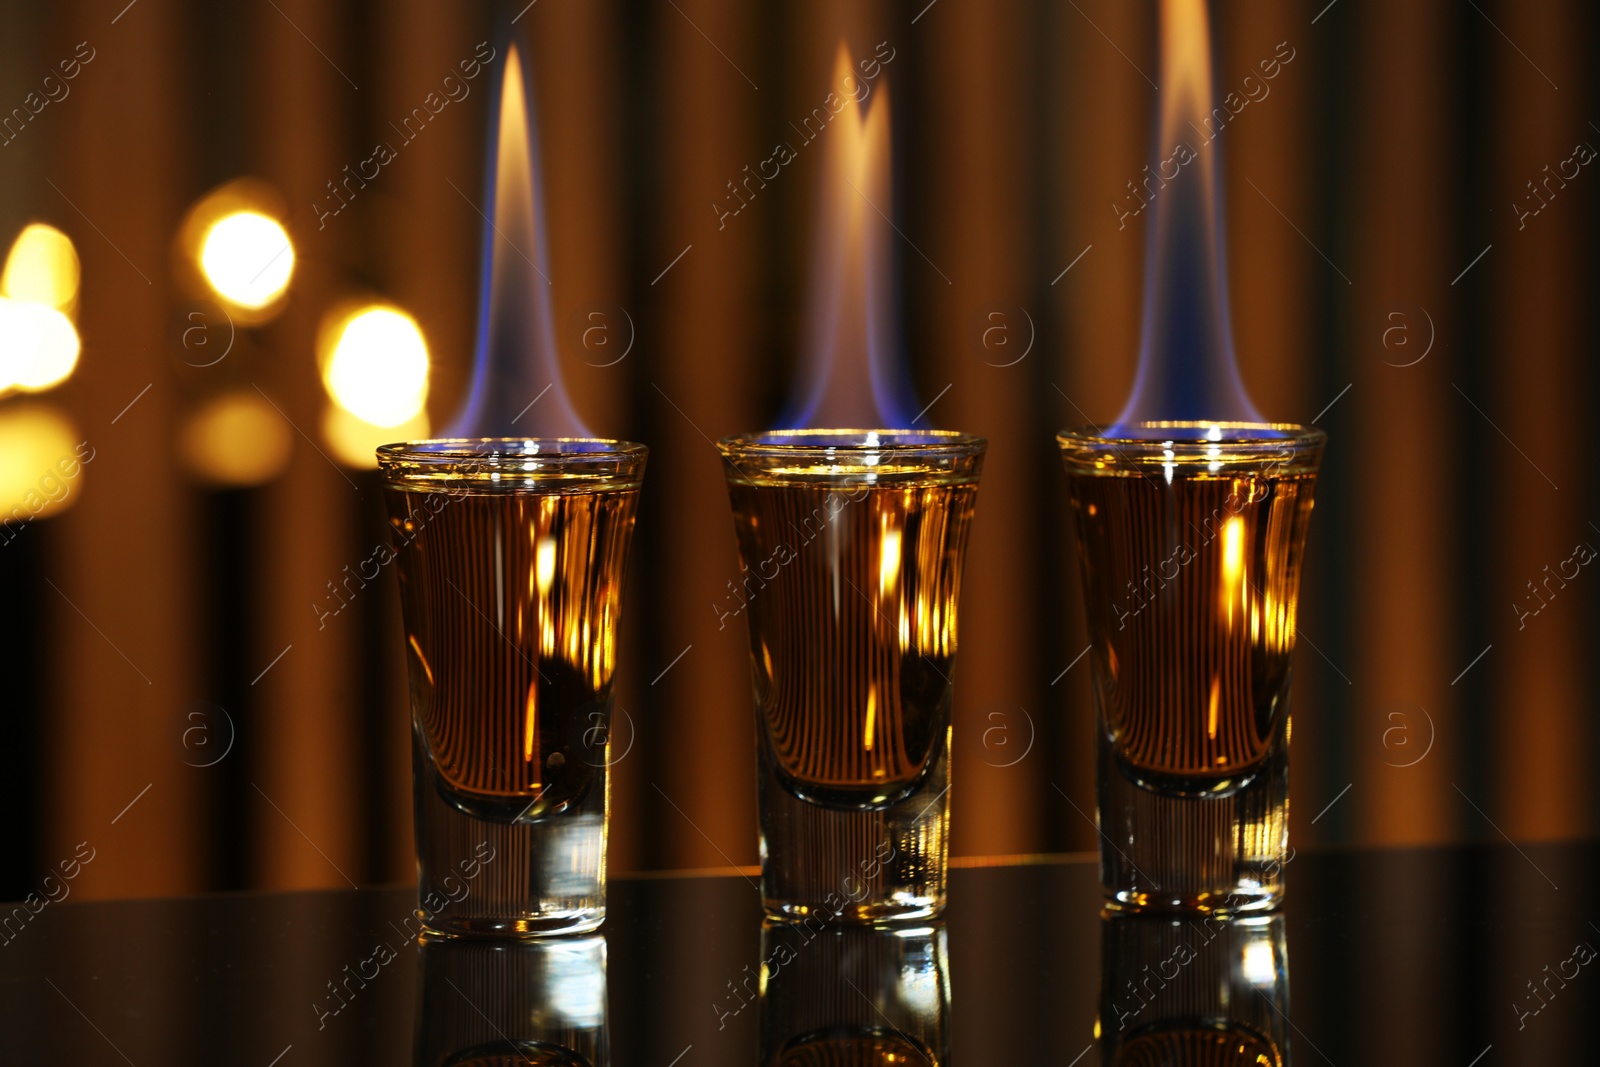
(1466,957)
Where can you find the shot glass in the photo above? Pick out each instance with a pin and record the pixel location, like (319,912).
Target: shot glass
(851,544)
(510,555)
(1190,538)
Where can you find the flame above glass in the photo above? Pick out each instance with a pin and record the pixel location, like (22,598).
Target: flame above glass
(1187,369)
(852,368)
(516,379)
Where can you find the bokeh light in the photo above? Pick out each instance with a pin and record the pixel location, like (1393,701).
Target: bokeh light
(233,250)
(42,268)
(236,439)
(38,295)
(354,441)
(376,366)
(38,346)
(247,258)
(41,462)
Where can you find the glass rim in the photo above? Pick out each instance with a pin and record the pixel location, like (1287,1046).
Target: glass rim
(1195,441)
(847,442)
(1279,449)
(443,451)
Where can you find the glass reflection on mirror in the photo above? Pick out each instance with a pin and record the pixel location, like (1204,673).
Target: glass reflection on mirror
(854,996)
(1193,992)
(493,1004)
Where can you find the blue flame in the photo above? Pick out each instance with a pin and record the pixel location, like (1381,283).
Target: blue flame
(516,385)
(852,370)
(1187,367)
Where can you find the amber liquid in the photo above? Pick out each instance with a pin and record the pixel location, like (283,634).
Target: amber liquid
(1191,587)
(510,602)
(1191,575)
(849,589)
(510,599)
(851,601)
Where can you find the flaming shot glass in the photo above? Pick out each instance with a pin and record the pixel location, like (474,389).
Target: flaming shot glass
(1190,537)
(851,543)
(510,555)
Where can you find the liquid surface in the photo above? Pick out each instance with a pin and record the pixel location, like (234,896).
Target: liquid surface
(510,603)
(851,599)
(1190,588)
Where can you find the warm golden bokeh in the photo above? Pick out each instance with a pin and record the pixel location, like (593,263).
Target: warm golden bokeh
(42,268)
(41,464)
(39,342)
(38,346)
(353,441)
(233,247)
(236,439)
(247,258)
(376,365)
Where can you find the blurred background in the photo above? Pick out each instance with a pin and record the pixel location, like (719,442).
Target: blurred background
(194,686)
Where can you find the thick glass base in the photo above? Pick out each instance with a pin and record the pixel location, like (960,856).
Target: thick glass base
(860,914)
(436,928)
(852,865)
(509,879)
(1216,854)
(1233,904)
